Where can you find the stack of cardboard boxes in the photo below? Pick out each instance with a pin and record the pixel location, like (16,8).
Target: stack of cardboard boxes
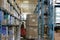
(32,20)
(32,26)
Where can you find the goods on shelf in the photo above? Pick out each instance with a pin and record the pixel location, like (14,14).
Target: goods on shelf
(12,2)
(32,20)
(32,33)
(17,22)
(15,13)
(4,22)
(8,19)
(10,33)
(11,20)
(8,6)
(1,16)
(4,33)
(3,3)
(11,10)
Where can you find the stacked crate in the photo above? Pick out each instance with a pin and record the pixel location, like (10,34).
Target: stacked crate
(32,26)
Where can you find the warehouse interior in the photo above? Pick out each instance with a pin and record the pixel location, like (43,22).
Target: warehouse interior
(29,19)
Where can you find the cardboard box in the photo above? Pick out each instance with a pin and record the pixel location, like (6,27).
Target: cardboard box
(57,36)
(9,19)
(3,4)
(32,33)
(32,20)
(17,22)
(11,10)
(8,6)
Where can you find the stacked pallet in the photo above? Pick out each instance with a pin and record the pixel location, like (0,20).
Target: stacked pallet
(32,26)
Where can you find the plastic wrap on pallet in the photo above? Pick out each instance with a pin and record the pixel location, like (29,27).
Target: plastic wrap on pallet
(32,20)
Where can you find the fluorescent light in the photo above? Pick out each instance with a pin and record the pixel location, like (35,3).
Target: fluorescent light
(25,1)
(24,5)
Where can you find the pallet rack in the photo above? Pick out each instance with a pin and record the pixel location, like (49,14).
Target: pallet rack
(4,15)
(51,22)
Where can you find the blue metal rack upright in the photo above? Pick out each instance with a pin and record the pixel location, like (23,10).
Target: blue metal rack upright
(50,20)
(1,18)
(42,18)
(39,25)
(40,8)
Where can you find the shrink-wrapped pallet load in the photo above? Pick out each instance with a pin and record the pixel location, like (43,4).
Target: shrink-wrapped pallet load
(32,20)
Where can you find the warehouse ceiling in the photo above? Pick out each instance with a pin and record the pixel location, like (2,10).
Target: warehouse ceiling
(27,6)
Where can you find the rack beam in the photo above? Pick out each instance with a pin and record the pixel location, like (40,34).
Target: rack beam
(6,11)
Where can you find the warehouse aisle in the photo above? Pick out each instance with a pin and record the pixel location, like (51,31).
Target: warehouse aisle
(29,19)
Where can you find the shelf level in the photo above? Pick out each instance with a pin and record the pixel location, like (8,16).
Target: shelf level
(6,11)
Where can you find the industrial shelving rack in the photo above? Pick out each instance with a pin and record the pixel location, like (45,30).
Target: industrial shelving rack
(5,12)
(50,14)
(50,20)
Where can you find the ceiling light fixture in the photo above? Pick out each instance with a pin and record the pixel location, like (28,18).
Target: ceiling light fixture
(25,1)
